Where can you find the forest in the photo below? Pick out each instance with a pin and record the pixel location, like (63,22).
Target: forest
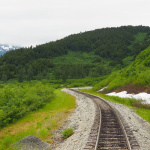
(89,54)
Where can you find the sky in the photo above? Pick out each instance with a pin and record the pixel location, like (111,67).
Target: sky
(34,22)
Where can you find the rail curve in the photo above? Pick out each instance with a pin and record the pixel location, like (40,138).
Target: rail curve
(108,132)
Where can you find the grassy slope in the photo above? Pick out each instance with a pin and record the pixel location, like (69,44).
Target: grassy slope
(75,58)
(39,123)
(137,73)
(139,38)
(78,57)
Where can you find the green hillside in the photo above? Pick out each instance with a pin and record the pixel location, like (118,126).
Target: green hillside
(136,74)
(89,54)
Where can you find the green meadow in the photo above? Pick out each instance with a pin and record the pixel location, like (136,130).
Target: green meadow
(55,106)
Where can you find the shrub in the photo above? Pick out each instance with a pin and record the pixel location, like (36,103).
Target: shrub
(66,133)
(16,100)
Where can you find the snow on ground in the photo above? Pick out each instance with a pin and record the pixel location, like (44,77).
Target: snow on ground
(87,88)
(102,89)
(142,96)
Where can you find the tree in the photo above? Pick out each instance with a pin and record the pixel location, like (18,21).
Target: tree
(29,72)
(21,75)
(4,78)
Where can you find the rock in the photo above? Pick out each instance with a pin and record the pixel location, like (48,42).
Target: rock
(31,143)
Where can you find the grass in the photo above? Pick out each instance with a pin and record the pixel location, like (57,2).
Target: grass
(40,123)
(76,57)
(144,113)
(84,81)
(43,132)
(68,132)
(141,109)
(139,38)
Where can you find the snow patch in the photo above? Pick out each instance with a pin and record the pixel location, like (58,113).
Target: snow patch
(10,47)
(5,48)
(103,89)
(142,96)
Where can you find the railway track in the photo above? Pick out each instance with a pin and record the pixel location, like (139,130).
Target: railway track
(109,131)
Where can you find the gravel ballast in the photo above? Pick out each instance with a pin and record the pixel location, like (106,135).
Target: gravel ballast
(81,120)
(139,127)
(83,117)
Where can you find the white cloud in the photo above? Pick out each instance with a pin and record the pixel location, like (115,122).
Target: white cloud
(33,22)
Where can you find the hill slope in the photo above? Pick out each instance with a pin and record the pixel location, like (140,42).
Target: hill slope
(93,53)
(133,78)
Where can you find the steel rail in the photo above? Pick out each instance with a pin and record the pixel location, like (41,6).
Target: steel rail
(123,129)
(98,136)
(116,114)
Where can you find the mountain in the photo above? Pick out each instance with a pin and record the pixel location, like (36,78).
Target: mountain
(88,54)
(133,78)
(5,48)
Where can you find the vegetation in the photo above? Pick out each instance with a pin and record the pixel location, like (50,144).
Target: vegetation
(16,100)
(137,73)
(83,82)
(89,54)
(40,123)
(141,109)
(66,133)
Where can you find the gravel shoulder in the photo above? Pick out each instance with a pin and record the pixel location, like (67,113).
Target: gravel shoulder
(81,120)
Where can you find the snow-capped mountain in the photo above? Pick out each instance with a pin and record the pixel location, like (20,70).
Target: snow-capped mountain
(5,47)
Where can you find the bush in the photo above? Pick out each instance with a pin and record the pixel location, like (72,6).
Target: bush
(16,100)
(66,133)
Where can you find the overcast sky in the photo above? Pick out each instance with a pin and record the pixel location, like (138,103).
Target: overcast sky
(33,22)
